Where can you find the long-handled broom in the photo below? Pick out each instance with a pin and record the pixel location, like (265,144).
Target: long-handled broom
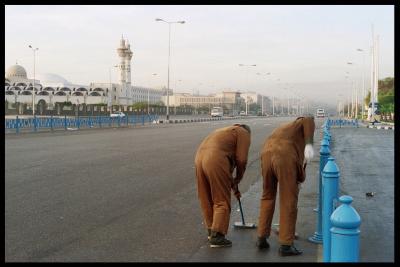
(242,224)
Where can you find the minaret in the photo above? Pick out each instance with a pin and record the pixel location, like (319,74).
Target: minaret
(128,57)
(122,53)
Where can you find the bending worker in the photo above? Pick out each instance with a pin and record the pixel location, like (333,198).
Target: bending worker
(284,157)
(216,158)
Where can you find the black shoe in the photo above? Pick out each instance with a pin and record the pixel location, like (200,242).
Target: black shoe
(262,243)
(285,250)
(218,240)
(209,234)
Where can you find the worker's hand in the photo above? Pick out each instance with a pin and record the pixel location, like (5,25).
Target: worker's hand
(236,181)
(299,186)
(235,189)
(237,193)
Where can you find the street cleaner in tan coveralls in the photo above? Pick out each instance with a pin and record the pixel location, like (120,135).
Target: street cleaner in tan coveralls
(284,157)
(216,158)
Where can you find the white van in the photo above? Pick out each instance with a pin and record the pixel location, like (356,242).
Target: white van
(217,112)
(320,113)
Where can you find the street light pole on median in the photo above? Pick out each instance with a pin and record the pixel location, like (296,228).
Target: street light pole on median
(247,78)
(110,91)
(169,52)
(148,97)
(34,69)
(363,83)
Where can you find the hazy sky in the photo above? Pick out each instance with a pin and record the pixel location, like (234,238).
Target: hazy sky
(306,47)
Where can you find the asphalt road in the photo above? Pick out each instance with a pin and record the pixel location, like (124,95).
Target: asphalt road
(129,194)
(111,194)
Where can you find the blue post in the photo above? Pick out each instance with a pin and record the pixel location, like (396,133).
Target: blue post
(119,121)
(324,153)
(51,122)
(127,121)
(65,122)
(17,125)
(330,186)
(345,233)
(142,119)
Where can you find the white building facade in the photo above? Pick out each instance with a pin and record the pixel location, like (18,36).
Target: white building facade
(52,90)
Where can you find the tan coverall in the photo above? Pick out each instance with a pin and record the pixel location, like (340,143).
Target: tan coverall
(282,159)
(216,158)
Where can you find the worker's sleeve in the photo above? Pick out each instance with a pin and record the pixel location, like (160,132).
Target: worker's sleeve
(242,150)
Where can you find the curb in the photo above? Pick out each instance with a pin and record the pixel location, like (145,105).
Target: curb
(380,127)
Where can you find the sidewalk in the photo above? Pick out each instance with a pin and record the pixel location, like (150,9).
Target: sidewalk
(365,158)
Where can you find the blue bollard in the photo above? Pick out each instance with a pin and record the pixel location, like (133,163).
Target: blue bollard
(330,186)
(51,122)
(324,153)
(65,122)
(345,233)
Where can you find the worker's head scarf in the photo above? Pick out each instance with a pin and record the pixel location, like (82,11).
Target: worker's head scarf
(245,126)
(308,128)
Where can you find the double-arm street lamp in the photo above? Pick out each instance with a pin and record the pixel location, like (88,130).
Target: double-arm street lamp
(169,53)
(34,69)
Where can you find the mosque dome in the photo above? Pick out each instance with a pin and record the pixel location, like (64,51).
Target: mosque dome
(16,71)
(46,78)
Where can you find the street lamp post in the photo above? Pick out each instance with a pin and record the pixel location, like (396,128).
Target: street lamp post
(262,96)
(247,78)
(363,83)
(148,97)
(110,91)
(34,69)
(169,53)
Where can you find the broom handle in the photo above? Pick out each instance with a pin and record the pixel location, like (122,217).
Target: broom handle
(241,211)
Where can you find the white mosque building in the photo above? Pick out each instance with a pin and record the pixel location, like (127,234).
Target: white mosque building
(53,92)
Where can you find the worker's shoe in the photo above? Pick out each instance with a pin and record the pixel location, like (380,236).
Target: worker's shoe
(218,240)
(286,250)
(209,234)
(262,243)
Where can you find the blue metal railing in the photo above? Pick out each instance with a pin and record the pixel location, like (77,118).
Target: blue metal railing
(37,123)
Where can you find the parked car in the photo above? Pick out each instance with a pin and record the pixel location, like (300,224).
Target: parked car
(242,113)
(117,114)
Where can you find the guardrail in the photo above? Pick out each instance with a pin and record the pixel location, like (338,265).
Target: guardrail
(337,226)
(74,123)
